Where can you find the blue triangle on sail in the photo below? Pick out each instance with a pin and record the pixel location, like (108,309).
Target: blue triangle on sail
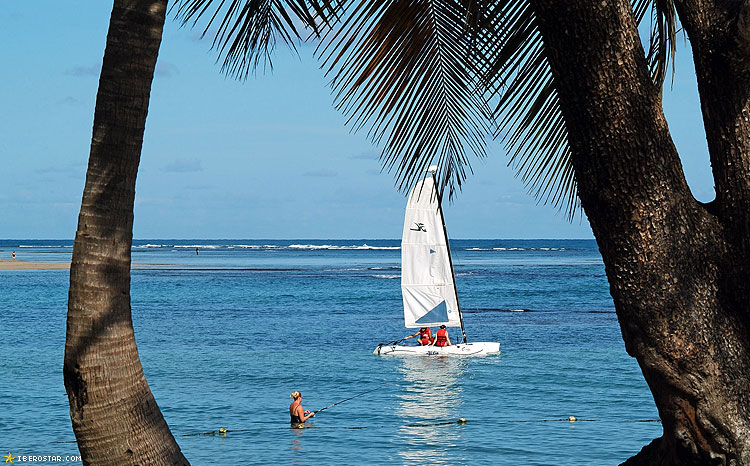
(432,251)
(438,313)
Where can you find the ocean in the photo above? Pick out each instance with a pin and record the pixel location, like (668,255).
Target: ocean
(227,333)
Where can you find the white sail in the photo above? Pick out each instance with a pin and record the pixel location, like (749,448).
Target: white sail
(427,283)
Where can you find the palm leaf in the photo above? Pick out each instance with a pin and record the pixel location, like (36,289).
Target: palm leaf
(529,119)
(247,31)
(530,122)
(420,75)
(662,44)
(406,70)
(402,69)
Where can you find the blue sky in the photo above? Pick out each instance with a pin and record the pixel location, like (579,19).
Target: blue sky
(265,158)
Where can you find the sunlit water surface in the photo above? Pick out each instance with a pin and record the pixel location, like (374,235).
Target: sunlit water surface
(227,334)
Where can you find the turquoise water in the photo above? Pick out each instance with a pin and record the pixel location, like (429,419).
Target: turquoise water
(227,334)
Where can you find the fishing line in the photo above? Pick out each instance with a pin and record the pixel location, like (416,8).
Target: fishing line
(575,419)
(223,431)
(347,399)
(571,419)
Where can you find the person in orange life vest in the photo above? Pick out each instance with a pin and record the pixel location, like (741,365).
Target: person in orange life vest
(424,334)
(441,337)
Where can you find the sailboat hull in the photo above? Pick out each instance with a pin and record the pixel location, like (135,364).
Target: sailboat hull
(479,348)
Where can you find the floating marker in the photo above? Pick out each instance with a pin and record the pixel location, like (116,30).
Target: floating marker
(572,419)
(462,421)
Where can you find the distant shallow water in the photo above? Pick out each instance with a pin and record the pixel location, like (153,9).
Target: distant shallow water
(226,334)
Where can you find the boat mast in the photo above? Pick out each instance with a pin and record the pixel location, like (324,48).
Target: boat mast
(432,170)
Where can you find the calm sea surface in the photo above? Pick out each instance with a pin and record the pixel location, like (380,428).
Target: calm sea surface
(227,334)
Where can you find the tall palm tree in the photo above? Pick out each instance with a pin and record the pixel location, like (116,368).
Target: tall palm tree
(578,102)
(115,417)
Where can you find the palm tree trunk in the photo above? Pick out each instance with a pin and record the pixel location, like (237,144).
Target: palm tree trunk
(678,269)
(115,417)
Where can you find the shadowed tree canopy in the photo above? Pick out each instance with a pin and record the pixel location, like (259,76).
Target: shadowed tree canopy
(401,66)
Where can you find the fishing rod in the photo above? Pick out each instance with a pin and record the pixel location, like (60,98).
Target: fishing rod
(347,399)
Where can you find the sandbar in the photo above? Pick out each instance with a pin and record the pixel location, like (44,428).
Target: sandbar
(6,264)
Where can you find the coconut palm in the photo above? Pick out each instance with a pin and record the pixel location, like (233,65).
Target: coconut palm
(115,417)
(578,102)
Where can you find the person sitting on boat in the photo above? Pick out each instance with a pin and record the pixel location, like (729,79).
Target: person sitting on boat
(296,412)
(424,334)
(441,337)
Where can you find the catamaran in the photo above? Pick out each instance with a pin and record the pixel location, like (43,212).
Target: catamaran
(428,284)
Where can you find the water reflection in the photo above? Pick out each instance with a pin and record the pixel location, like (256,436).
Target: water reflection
(296,447)
(431,394)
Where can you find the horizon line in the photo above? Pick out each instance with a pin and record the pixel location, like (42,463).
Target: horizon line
(308,239)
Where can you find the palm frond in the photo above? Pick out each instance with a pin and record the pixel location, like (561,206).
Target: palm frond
(662,41)
(247,31)
(528,110)
(406,70)
(420,75)
(530,123)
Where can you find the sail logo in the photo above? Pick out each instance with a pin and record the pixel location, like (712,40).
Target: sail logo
(420,227)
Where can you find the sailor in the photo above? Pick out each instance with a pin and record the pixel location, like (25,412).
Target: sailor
(424,334)
(441,337)
(296,412)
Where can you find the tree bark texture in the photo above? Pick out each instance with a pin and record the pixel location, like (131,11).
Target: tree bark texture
(678,269)
(114,415)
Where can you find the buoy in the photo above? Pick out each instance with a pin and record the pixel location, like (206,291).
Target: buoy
(572,419)
(222,431)
(462,420)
